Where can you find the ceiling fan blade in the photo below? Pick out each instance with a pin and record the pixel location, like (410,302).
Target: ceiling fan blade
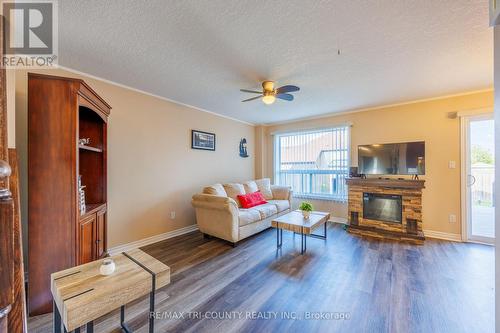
(287,89)
(286,97)
(251,91)
(251,99)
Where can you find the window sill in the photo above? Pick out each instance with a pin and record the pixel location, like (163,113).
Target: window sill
(319,197)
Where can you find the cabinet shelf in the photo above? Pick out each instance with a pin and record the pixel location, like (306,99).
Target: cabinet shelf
(89,148)
(91,209)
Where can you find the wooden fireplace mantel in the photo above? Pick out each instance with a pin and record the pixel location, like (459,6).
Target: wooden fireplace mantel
(387,182)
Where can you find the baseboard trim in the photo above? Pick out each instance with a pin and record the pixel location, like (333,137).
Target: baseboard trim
(153,239)
(443,235)
(194,227)
(340,220)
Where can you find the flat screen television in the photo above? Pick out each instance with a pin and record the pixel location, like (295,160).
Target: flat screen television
(407,158)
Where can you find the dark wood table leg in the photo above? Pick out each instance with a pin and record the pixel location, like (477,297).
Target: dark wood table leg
(152,305)
(151,296)
(320,236)
(57,319)
(122,315)
(302,241)
(122,320)
(90,327)
(279,236)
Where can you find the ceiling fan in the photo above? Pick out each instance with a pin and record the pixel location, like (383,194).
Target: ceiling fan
(269,93)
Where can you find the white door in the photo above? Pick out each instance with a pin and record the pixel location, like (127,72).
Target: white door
(479,178)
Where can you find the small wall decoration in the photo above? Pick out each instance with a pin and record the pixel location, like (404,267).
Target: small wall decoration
(202,140)
(84,141)
(243,148)
(81,195)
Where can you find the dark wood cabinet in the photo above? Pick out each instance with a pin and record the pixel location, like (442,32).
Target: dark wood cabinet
(87,239)
(60,112)
(92,234)
(100,232)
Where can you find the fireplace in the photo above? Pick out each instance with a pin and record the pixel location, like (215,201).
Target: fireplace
(386,208)
(383,207)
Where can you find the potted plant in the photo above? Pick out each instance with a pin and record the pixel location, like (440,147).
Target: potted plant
(306,209)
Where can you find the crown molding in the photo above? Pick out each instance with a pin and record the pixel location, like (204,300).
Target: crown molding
(385,106)
(326,115)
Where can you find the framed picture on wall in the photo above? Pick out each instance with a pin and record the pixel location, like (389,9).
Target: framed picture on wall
(202,140)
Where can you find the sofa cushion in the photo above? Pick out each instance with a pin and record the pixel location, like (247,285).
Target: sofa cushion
(281,205)
(215,189)
(247,216)
(264,186)
(281,192)
(233,190)
(250,186)
(250,200)
(266,210)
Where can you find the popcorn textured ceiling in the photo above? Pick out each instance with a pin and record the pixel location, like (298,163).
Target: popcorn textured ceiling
(202,52)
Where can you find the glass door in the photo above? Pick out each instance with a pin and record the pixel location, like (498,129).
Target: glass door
(480,179)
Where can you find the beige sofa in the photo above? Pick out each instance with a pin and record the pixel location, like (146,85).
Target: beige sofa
(219,214)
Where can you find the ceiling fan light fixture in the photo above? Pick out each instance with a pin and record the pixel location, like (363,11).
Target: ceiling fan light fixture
(268,99)
(268,85)
(269,94)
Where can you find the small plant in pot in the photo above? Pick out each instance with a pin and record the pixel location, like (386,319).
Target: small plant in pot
(306,209)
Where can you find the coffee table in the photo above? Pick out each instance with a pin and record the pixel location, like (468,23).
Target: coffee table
(294,221)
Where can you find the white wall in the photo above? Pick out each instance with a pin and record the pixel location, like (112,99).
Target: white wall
(497,175)
(152,169)
(418,121)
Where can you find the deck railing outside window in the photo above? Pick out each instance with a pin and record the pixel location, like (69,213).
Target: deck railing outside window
(484,182)
(314,163)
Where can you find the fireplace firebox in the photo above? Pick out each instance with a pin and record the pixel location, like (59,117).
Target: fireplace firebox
(383,207)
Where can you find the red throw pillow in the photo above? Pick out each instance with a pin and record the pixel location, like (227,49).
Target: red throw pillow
(251,199)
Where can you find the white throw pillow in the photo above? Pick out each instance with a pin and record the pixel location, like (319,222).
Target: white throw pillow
(264,186)
(215,189)
(233,190)
(250,186)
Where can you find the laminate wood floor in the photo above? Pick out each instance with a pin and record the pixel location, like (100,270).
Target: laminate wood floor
(346,284)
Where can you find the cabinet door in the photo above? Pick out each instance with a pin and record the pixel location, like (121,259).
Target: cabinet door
(101,233)
(87,239)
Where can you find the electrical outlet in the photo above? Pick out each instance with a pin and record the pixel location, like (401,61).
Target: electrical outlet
(452,164)
(453,218)
(172,215)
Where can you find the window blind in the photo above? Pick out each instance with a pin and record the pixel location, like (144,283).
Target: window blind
(314,163)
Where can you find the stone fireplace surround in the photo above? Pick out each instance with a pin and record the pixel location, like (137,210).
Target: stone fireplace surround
(410,228)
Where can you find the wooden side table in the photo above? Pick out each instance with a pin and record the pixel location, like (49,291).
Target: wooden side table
(82,295)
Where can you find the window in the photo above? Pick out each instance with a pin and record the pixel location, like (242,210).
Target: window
(314,163)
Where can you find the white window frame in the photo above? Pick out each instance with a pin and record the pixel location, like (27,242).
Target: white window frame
(277,159)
